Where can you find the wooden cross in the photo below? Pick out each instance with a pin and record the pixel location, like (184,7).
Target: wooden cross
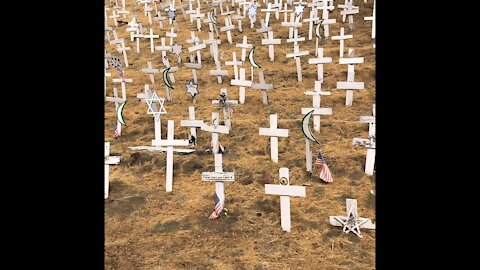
(148,12)
(291,25)
(313,18)
(191,122)
(368,143)
(262,86)
(194,68)
(235,64)
(215,129)
(285,10)
(242,83)
(190,11)
(151,37)
(319,61)
(228,28)
(350,84)
(264,28)
(219,72)
(351,222)
(239,19)
(277,5)
(163,48)
(244,47)
(151,98)
(117,100)
(268,10)
(198,16)
(171,35)
(123,84)
(107,32)
(325,20)
(316,105)
(213,44)
(342,38)
(170,142)
(160,19)
(270,41)
(296,55)
(285,190)
(149,70)
(196,48)
(226,105)
(372,18)
(109,160)
(134,27)
(114,16)
(273,132)
(348,9)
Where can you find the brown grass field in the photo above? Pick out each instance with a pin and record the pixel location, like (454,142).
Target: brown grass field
(147,228)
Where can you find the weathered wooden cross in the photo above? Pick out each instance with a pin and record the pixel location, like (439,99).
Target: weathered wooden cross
(109,160)
(285,190)
(273,132)
(352,222)
(226,105)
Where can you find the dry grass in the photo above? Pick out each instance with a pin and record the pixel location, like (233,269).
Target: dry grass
(147,228)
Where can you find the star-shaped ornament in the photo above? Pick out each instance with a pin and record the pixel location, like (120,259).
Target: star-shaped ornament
(252,10)
(192,88)
(177,49)
(299,9)
(152,99)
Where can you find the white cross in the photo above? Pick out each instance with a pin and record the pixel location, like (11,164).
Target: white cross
(262,86)
(215,129)
(170,142)
(372,18)
(122,49)
(213,44)
(368,143)
(163,48)
(319,61)
(149,70)
(235,64)
(151,37)
(316,105)
(348,9)
(350,84)
(148,12)
(296,55)
(244,47)
(123,83)
(219,72)
(194,68)
(239,19)
(351,222)
(268,10)
(342,38)
(264,29)
(160,20)
(285,10)
(273,132)
(285,190)
(228,28)
(270,41)
(242,83)
(225,106)
(191,122)
(326,21)
(198,16)
(313,18)
(171,35)
(196,48)
(114,16)
(109,160)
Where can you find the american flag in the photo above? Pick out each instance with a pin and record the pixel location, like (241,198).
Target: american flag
(325,174)
(118,132)
(218,207)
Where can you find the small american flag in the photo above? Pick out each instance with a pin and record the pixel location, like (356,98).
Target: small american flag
(218,207)
(325,174)
(118,132)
